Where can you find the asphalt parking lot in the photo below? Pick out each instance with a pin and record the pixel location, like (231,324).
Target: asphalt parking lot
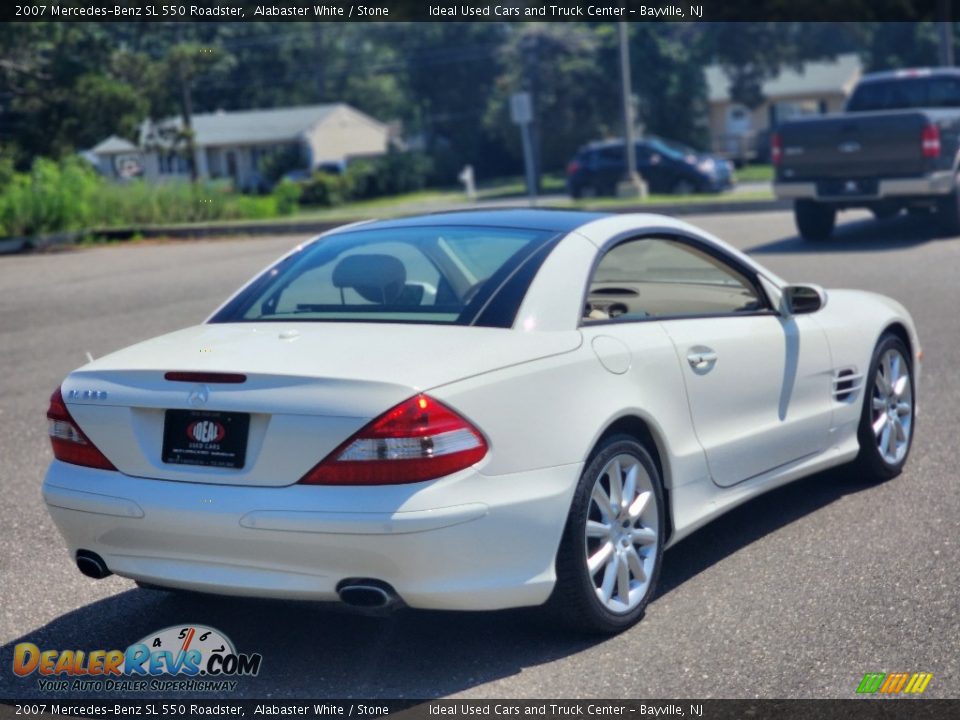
(796,594)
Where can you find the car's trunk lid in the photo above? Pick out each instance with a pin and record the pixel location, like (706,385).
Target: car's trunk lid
(306,388)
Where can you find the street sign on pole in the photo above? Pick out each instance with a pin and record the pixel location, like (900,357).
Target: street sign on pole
(521,113)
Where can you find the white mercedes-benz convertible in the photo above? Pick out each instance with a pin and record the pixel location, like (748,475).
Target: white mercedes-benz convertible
(473,411)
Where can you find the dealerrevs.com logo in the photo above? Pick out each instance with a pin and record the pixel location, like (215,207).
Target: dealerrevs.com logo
(205,657)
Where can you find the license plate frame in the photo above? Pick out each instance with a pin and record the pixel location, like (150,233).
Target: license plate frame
(205,438)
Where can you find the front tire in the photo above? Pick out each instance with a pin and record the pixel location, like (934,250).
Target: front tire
(815,221)
(610,554)
(887,419)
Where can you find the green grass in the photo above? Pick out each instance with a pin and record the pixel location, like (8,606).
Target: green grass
(755,173)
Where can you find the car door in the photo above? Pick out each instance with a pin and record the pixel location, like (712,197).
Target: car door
(758,383)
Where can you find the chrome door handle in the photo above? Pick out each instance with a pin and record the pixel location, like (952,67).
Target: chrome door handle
(701,358)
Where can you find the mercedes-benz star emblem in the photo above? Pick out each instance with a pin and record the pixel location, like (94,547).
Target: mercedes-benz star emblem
(199,396)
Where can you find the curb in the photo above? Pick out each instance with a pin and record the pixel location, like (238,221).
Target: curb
(188,232)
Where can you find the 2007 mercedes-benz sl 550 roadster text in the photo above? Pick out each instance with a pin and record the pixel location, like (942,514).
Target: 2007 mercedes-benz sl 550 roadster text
(473,410)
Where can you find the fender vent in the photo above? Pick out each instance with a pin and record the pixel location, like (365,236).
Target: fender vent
(846,383)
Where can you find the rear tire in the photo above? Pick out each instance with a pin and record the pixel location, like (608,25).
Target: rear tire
(610,554)
(887,418)
(815,221)
(948,211)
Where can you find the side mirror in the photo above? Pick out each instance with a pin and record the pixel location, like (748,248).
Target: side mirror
(802,299)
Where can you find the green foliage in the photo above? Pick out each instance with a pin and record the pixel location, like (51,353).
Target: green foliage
(286,194)
(55,197)
(392,174)
(324,190)
(277,163)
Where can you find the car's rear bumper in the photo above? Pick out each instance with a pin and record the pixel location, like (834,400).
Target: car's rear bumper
(938,183)
(468,541)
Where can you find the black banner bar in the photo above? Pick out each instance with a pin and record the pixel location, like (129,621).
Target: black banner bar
(469,10)
(854,709)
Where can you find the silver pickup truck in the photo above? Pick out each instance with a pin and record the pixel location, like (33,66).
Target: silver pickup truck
(894,147)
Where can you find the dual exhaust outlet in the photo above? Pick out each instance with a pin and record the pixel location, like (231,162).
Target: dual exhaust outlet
(360,593)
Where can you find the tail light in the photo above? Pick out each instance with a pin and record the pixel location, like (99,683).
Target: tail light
(68,441)
(776,149)
(419,439)
(572,167)
(930,140)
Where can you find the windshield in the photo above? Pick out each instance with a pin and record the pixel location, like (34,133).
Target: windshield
(906,92)
(447,275)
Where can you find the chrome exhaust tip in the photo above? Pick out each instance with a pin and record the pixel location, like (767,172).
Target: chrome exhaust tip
(367,594)
(92,565)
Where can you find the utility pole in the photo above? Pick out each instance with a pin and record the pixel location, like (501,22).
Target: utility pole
(186,103)
(632,183)
(945,29)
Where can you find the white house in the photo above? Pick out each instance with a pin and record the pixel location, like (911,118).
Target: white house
(232,144)
(816,88)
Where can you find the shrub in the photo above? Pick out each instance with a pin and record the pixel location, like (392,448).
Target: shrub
(287,196)
(325,190)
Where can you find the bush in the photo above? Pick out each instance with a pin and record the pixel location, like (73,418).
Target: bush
(287,196)
(392,174)
(325,190)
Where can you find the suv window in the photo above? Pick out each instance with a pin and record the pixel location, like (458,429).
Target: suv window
(661,277)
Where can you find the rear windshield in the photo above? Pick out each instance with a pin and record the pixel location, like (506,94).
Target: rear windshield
(906,92)
(447,275)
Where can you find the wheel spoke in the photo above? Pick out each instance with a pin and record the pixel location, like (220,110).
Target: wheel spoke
(900,431)
(623,580)
(879,404)
(639,505)
(885,436)
(609,578)
(643,536)
(903,408)
(596,561)
(880,424)
(597,529)
(895,375)
(887,372)
(615,474)
(892,442)
(636,564)
(900,384)
(603,502)
(630,487)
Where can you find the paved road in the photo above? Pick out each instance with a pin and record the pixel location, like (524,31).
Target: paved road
(796,594)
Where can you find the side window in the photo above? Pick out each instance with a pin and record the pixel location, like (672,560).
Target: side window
(660,277)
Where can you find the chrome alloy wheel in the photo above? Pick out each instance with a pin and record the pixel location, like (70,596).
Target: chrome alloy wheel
(892,407)
(622,533)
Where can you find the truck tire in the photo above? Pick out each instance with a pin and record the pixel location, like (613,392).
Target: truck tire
(948,211)
(815,220)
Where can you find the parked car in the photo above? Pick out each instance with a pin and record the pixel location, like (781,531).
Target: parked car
(667,166)
(895,146)
(472,411)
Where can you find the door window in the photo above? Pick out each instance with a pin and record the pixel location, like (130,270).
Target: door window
(660,277)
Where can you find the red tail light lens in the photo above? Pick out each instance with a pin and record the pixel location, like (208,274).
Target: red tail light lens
(419,439)
(776,149)
(68,441)
(930,139)
(572,167)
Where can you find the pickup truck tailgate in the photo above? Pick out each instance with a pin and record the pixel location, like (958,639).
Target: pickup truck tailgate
(856,145)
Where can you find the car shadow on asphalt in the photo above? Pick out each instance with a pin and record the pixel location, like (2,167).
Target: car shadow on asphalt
(317,651)
(900,232)
(751,521)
